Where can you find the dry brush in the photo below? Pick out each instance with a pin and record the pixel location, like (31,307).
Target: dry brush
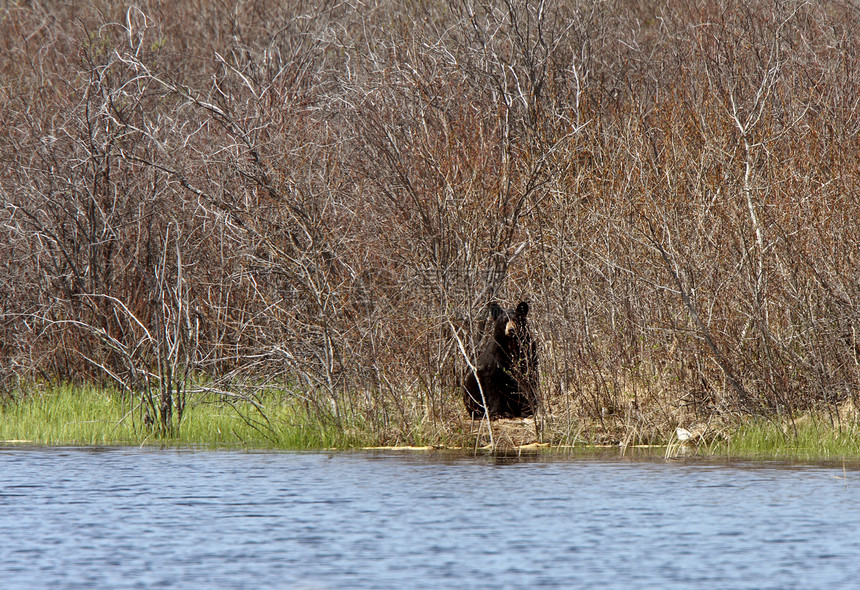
(324,197)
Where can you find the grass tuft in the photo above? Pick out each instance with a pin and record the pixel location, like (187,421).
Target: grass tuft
(89,416)
(808,437)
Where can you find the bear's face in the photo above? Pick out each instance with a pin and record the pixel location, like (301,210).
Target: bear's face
(509,325)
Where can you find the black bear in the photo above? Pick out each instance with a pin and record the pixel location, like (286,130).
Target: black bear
(505,383)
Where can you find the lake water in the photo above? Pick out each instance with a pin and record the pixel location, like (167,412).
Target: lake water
(129,518)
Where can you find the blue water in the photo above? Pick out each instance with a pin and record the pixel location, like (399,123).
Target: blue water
(129,518)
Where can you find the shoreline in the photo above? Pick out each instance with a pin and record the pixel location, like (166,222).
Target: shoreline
(90,417)
(527,452)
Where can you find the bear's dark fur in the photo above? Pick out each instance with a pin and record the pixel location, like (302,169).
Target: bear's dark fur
(506,382)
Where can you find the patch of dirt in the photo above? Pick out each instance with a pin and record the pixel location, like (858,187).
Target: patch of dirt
(507,433)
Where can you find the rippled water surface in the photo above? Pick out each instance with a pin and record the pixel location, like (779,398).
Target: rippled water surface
(120,518)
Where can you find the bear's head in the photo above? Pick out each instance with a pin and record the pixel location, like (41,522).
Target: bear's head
(509,325)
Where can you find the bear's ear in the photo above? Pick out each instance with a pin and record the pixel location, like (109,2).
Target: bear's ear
(496,311)
(522,309)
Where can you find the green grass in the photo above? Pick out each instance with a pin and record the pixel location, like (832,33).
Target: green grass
(807,438)
(89,416)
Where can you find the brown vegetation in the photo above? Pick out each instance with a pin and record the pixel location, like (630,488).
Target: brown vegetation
(326,195)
